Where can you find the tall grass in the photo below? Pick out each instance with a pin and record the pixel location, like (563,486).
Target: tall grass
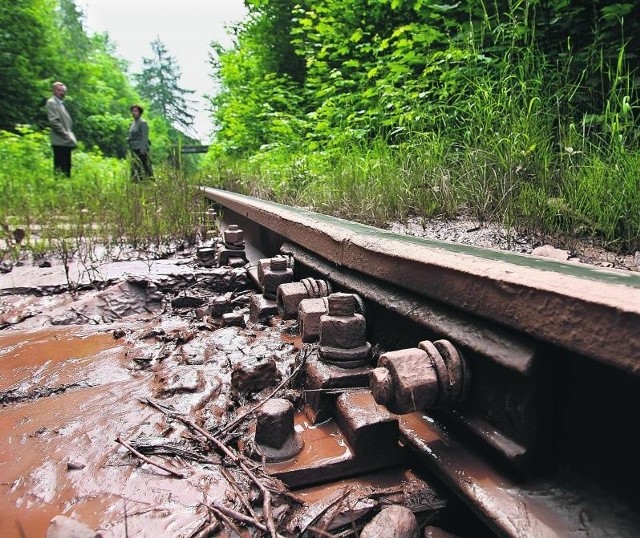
(519,142)
(98,207)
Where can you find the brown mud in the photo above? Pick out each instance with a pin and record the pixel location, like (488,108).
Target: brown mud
(78,370)
(75,369)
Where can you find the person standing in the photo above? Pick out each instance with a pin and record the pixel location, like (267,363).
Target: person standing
(139,144)
(63,141)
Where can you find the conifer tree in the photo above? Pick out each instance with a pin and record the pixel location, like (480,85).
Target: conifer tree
(159,84)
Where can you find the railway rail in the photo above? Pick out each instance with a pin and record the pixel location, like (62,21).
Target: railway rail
(543,442)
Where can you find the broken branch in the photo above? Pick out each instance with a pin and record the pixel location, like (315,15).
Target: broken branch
(172,472)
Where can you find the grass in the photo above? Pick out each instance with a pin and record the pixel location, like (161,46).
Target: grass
(99,207)
(516,142)
(519,143)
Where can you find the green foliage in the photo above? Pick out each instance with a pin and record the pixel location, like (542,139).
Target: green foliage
(431,108)
(99,203)
(44,40)
(159,84)
(27,52)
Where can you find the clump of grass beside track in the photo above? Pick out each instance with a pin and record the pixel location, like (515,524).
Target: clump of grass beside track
(558,191)
(545,142)
(97,206)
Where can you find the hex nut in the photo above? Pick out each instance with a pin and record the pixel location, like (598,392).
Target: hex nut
(344,332)
(342,304)
(274,278)
(381,384)
(309,313)
(288,298)
(415,381)
(233,235)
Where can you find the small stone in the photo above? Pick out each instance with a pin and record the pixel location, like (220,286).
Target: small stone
(392,522)
(253,377)
(187,301)
(65,527)
(547,251)
(233,319)
(118,333)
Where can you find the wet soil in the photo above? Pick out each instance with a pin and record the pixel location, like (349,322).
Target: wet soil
(589,250)
(78,373)
(75,371)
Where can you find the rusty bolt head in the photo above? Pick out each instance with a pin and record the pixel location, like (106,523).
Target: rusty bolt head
(381,384)
(288,298)
(345,332)
(309,313)
(233,235)
(278,263)
(342,304)
(272,279)
(275,423)
(415,382)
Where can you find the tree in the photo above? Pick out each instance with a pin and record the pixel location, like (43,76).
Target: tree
(159,84)
(27,54)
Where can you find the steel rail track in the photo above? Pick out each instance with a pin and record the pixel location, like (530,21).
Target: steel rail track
(545,444)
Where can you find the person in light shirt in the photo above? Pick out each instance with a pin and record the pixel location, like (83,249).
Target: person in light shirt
(63,141)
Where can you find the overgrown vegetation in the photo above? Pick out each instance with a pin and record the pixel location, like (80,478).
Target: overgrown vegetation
(516,111)
(521,111)
(99,210)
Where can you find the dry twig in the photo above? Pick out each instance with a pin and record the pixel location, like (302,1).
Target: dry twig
(222,516)
(238,516)
(231,481)
(172,472)
(266,494)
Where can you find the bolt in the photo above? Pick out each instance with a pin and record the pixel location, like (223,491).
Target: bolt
(310,311)
(343,332)
(275,436)
(278,272)
(431,376)
(206,256)
(381,385)
(278,263)
(275,423)
(290,295)
(233,235)
(342,304)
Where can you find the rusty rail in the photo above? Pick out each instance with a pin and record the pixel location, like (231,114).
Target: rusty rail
(545,437)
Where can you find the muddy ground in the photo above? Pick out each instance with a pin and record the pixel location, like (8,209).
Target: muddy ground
(588,250)
(138,356)
(141,358)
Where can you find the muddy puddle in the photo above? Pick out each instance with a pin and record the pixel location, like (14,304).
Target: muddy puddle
(98,385)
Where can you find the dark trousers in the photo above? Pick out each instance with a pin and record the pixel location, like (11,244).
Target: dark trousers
(140,165)
(62,160)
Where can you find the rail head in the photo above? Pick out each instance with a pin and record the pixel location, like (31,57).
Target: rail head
(591,311)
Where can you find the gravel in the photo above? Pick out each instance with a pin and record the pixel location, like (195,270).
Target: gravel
(490,235)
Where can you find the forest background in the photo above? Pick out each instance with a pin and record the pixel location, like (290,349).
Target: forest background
(521,112)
